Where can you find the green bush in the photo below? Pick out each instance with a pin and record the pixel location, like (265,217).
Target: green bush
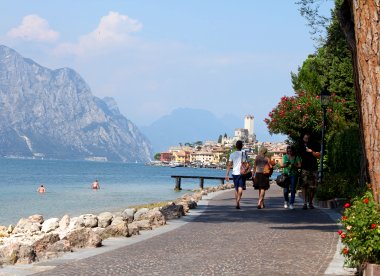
(361,231)
(344,151)
(339,185)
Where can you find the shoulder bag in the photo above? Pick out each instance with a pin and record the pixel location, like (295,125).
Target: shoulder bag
(245,167)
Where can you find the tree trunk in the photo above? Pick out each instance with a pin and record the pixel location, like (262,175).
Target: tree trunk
(360,23)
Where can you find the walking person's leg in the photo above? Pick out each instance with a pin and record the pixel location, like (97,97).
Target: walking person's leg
(304,182)
(313,188)
(261,204)
(293,183)
(262,198)
(238,182)
(286,194)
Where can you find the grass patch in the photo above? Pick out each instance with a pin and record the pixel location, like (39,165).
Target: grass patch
(150,205)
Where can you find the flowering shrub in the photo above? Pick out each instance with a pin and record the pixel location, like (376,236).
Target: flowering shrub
(361,231)
(302,112)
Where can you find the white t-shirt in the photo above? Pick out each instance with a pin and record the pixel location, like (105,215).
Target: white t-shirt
(235,157)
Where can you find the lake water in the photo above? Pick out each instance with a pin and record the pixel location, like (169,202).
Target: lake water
(68,186)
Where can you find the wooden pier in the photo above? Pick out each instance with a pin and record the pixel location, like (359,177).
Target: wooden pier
(201,180)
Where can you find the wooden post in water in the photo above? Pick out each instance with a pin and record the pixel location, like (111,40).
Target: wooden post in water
(178,184)
(201,182)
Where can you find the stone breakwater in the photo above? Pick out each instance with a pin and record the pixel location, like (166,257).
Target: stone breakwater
(34,239)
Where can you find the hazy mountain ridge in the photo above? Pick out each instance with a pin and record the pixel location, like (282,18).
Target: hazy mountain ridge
(184,125)
(52,113)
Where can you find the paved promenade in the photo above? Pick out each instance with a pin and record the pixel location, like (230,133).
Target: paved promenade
(225,241)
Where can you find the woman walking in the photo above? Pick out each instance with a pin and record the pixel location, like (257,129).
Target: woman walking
(261,180)
(290,165)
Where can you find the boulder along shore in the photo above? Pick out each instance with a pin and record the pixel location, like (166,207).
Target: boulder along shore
(35,239)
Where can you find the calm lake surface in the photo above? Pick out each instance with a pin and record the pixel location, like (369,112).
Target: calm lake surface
(68,186)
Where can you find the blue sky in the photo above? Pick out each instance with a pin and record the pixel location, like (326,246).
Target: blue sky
(153,56)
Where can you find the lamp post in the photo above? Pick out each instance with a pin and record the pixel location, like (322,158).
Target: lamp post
(325,99)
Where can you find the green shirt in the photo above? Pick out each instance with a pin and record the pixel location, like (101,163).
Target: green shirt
(292,169)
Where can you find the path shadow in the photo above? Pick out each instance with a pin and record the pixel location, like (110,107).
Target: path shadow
(222,210)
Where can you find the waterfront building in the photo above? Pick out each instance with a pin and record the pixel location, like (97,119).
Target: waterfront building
(182,157)
(166,157)
(203,157)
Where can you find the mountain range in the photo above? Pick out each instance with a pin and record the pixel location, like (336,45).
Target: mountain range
(52,114)
(188,125)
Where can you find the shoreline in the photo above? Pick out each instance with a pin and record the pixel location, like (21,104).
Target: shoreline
(109,244)
(335,266)
(34,240)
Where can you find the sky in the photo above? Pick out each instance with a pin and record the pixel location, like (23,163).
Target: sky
(153,56)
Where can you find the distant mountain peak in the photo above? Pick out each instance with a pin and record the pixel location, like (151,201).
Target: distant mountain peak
(184,125)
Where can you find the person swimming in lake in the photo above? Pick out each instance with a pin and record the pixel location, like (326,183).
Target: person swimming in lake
(95,185)
(41,189)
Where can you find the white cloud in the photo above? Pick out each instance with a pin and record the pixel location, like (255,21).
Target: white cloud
(113,30)
(34,28)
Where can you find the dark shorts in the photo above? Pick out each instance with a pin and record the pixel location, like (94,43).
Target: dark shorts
(308,179)
(239,181)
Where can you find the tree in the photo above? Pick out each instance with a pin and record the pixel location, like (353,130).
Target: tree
(157,156)
(362,31)
(361,27)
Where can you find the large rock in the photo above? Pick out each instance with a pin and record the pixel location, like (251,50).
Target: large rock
(105,219)
(133,229)
(17,253)
(90,220)
(172,211)
(41,245)
(140,225)
(184,205)
(50,225)
(139,213)
(155,218)
(36,218)
(75,223)
(115,230)
(82,238)
(64,222)
(27,226)
(129,214)
(4,231)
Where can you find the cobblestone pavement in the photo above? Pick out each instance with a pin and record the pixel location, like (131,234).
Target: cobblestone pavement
(226,241)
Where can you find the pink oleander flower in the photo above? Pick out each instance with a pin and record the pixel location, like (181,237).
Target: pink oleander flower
(343,235)
(344,218)
(373,225)
(349,227)
(340,232)
(345,250)
(366,200)
(347,205)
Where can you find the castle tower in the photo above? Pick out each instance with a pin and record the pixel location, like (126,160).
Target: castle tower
(249,124)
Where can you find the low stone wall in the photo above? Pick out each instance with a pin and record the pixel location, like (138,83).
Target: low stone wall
(35,239)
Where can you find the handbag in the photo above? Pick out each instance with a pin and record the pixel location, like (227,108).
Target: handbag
(245,167)
(268,171)
(282,180)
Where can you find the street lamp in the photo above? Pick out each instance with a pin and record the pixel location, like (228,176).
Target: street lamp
(325,99)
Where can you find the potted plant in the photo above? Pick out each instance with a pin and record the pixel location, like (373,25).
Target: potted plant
(361,233)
